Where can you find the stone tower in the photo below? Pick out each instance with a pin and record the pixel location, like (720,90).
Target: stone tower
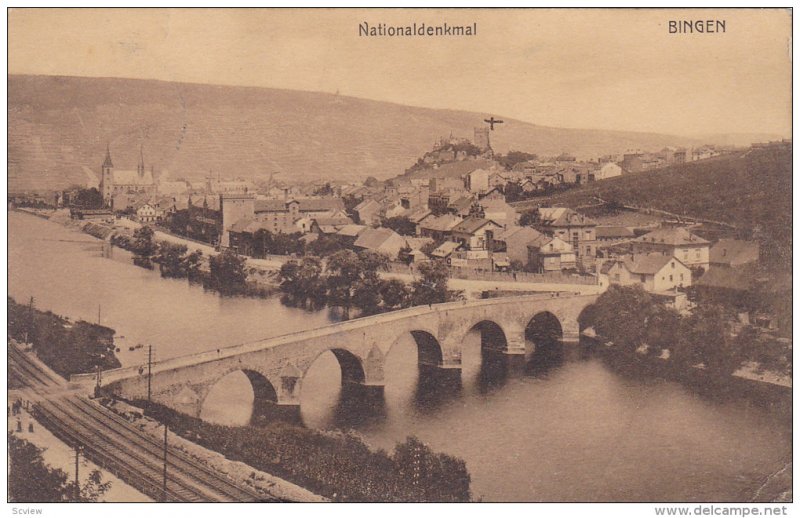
(482,139)
(234,208)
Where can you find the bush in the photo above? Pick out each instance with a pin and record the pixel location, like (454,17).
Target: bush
(340,467)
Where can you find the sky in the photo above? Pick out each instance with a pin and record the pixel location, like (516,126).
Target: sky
(579,68)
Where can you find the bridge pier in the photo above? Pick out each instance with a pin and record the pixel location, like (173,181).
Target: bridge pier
(288,393)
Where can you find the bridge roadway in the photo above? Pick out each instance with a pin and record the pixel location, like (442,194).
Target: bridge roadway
(277,366)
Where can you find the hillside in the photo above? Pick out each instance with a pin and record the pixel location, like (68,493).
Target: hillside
(747,189)
(59,127)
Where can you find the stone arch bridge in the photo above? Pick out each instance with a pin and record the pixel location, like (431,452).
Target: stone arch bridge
(276,366)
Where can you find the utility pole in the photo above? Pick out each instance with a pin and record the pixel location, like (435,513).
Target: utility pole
(166,428)
(77,482)
(98,314)
(149,370)
(29,330)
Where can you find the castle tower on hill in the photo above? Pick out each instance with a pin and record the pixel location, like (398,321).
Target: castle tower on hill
(482,139)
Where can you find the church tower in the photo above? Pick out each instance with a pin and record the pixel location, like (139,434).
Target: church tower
(107,178)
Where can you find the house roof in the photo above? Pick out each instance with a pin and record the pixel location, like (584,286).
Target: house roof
(351,230)
(460,203)
(672,236)
(366,203)
(306,205)
(373,238)
(337,222)
(417,215)
(516,232)
(445,249)
(416,243)
(728,278)
(733,251)
(269,205)
(648,264)
(441,223)
(472,225)
(541,241)
(614,232)
(563,217)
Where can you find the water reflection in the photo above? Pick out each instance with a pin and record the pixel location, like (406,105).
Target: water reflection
(358,406)
(435,387)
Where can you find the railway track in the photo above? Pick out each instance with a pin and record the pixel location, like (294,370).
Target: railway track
(117,446)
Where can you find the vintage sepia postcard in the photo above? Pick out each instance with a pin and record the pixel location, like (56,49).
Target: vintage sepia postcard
(400,255)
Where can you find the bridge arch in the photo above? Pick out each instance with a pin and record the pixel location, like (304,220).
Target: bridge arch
(586,317)
(429,350)
(493,335)
(544,328)
(353,368)
(264,392)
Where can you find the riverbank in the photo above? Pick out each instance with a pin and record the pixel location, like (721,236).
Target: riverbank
(261,272)
(770,388)
(65,346)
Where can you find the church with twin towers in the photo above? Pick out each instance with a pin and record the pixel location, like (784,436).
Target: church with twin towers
(122,181)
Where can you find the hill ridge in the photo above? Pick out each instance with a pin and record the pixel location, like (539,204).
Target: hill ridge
(60,124)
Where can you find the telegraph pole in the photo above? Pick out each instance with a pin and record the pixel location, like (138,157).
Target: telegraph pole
(29,329)
(166,428)
(77,482)
(149,370)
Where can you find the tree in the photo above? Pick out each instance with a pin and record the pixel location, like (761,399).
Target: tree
(404,254)
(170,259)
(433,477)
(353,279)
(302,281)
(513,192)
(324,190)
(664,329)
(143,244)
(620,315)
(192,263)
(400,224)
(709,339)
(530,218)
(395,294)
(324,246)
(432,287)
(227,274)
(88,199)
(367,295)
(31,480)
(343,269)
(515,157)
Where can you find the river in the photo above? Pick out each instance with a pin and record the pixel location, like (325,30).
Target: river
(571,430)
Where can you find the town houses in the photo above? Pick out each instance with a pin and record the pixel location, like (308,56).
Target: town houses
(457,204)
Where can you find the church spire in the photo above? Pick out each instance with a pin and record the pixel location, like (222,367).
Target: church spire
(140,168)
(107,163)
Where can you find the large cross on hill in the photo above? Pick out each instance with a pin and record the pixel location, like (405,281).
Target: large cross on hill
(492,121)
